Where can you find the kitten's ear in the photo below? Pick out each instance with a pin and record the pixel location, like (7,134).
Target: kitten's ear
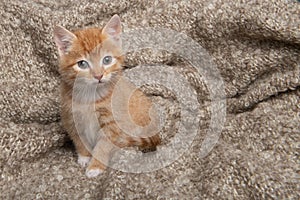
(113,29)
(63,39)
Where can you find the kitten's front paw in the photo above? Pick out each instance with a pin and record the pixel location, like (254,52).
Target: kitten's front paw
(83,160)
(93,172)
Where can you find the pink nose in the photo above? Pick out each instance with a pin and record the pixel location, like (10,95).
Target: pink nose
(99,77)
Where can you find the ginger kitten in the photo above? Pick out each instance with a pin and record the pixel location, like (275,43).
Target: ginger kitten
(90,67)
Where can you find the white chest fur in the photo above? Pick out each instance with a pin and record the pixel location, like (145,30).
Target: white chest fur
(86,123)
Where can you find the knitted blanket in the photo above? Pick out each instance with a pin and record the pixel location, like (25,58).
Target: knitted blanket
(255,50)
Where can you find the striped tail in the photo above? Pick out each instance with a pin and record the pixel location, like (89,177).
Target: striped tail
(145,144)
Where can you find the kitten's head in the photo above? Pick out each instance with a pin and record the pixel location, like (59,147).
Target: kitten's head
(93,56)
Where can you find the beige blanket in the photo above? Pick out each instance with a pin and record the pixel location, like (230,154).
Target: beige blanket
(255,46)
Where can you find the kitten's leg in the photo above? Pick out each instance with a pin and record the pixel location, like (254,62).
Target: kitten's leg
(101,156)
(105,147)
(84,155)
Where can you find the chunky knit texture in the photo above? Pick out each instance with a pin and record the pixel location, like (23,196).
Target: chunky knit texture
(256,47)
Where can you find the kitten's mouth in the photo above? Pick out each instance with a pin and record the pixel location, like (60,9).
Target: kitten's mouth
(101,82)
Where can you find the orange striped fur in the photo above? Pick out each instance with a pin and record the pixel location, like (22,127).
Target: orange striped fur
(80,104)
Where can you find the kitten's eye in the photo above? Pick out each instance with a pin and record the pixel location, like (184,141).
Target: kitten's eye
(83,64)
(107,60)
